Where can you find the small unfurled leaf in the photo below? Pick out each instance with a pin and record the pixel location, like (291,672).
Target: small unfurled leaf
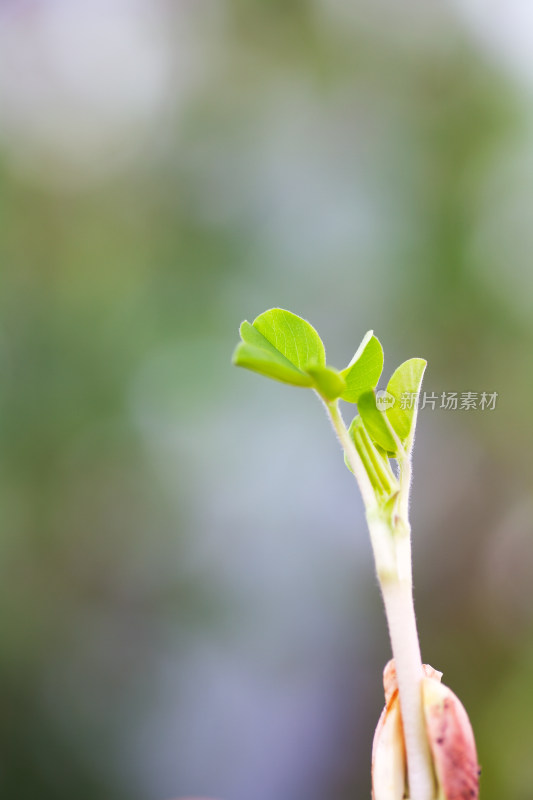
(327,381)
(292,336)
(269,363)
(404,386)
(376,422)
(374,459)
(356,431)
(285,347)
(363,372)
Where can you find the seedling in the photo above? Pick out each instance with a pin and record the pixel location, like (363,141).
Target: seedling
(423,747)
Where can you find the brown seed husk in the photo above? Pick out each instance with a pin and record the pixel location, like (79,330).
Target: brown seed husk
(451,741)
(450,738)
(389,772)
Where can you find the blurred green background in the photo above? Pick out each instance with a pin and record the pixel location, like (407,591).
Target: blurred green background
(187,592)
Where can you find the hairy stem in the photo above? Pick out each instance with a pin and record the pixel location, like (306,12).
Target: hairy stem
(351,453)
(390,535)
(398,599)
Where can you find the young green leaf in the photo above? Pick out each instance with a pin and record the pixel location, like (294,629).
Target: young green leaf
(374,458)
(404,386)
(327,381)
(269,363)
(282,346)
(292,336)
(355,430)
(376,423)
(363,372)
(285,347)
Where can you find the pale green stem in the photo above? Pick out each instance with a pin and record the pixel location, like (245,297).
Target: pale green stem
(405,488)
(352,455)
(390,535)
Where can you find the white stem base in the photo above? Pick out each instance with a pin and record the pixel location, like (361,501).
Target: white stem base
(399,608)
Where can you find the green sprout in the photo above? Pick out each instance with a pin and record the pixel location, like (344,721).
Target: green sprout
(377,448)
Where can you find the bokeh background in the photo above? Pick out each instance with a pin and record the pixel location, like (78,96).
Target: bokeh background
(188,604)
